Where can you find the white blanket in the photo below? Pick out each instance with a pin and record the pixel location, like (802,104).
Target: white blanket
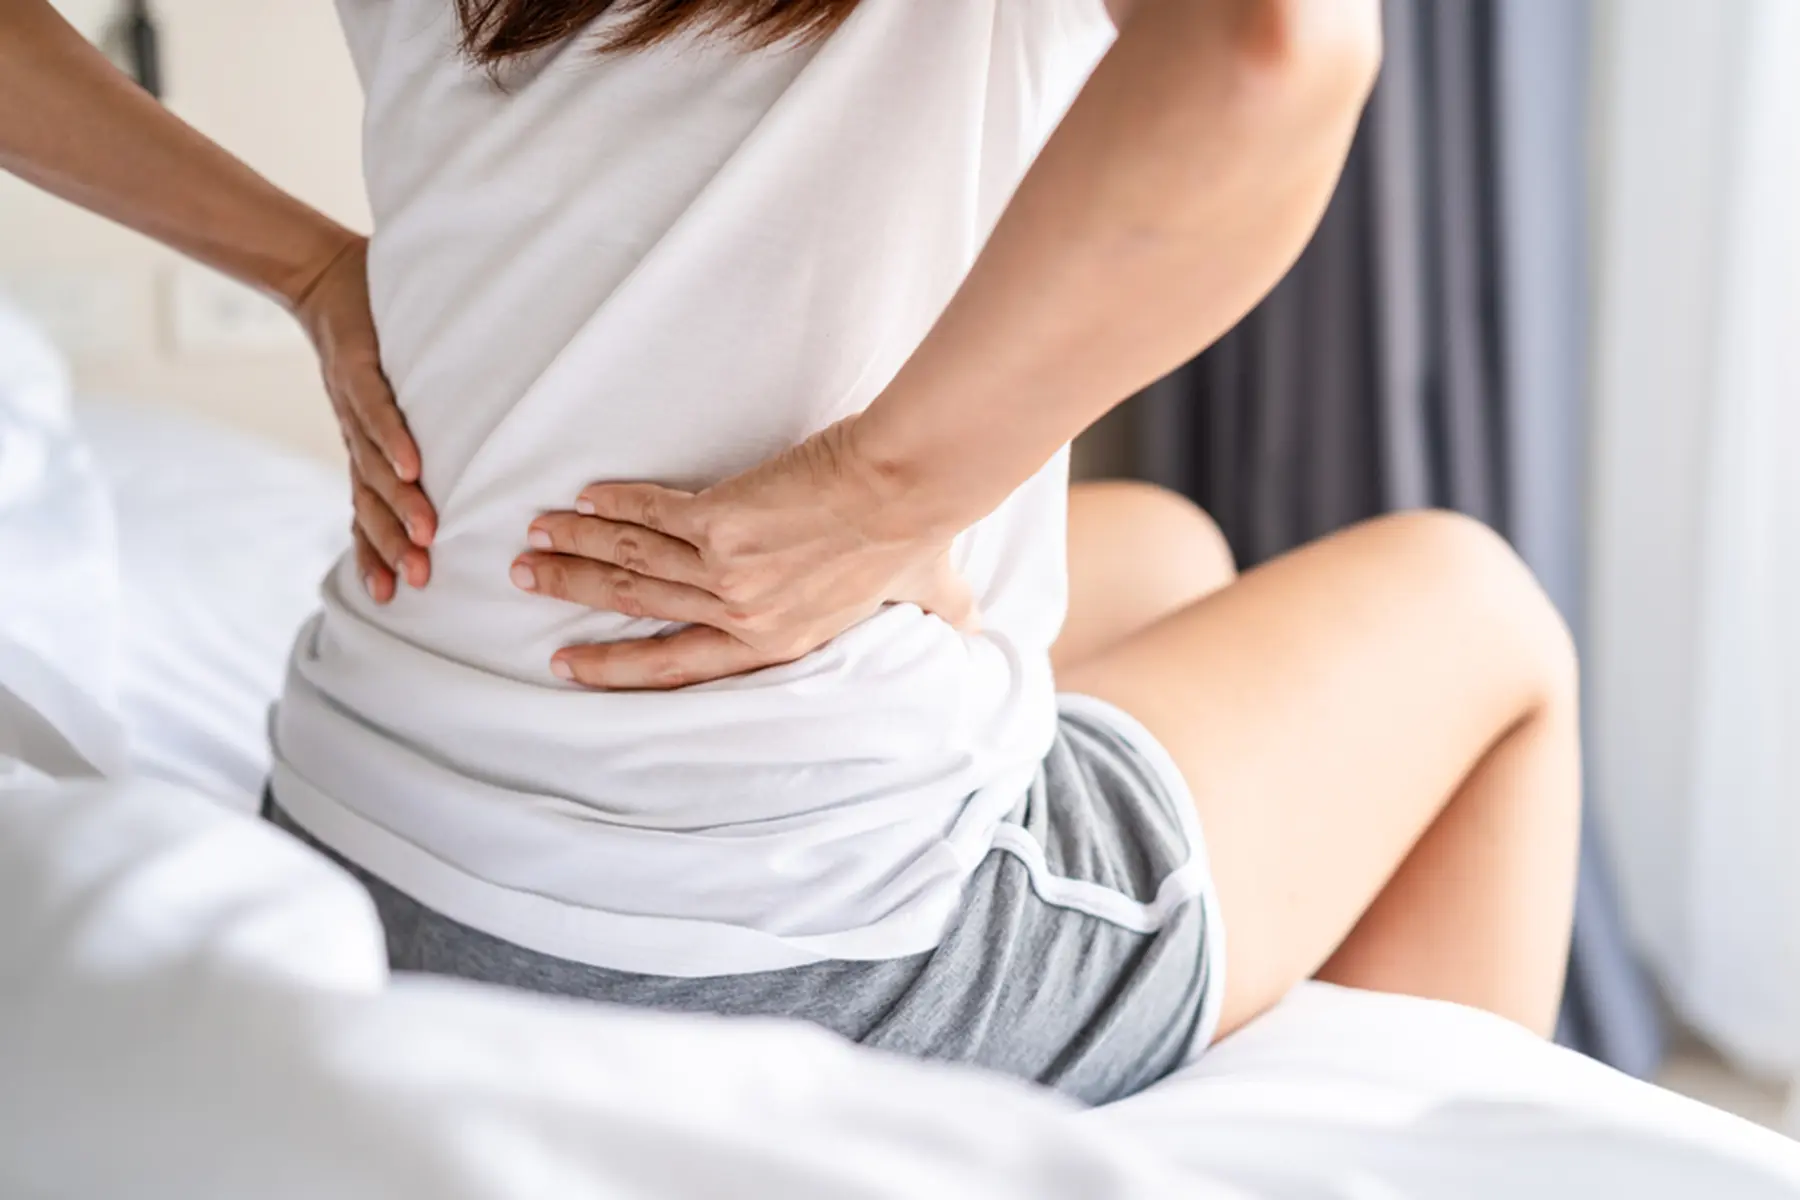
(193,1005)
(196,1006)
(58,569)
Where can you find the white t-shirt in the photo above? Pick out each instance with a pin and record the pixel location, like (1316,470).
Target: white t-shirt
(667,266)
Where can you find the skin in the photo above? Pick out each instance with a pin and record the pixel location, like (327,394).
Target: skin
(1380,733)
(73,125)
(1188,175)
(1378,730)
(1137,553)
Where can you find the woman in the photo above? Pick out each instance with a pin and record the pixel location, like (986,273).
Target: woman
(795,283)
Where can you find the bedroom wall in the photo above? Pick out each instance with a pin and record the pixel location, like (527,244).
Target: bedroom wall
(272,81)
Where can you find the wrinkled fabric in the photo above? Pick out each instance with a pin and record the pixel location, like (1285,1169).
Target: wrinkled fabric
(194,1006)
(59,584)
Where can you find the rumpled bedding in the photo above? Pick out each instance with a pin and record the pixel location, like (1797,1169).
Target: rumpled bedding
(194,1005)
(58,572)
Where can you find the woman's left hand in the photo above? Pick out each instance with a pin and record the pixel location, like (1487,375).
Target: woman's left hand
(764,568)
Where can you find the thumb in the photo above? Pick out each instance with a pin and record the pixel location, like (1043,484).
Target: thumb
(940,590)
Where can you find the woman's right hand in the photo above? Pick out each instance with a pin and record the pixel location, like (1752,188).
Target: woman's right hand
(394,521)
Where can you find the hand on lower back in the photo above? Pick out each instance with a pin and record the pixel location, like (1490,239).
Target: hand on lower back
(764,567)
(394,521)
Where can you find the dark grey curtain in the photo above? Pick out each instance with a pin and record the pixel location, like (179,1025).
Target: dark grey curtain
(1429,348)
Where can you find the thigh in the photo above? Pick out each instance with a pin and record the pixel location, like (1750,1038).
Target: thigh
(1136,554)
(1322,709)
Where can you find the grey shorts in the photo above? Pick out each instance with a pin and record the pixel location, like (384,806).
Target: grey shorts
(1086,956)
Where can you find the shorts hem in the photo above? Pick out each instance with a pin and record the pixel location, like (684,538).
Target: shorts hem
(1198,867)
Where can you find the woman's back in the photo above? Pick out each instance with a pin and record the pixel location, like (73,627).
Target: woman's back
(668,265)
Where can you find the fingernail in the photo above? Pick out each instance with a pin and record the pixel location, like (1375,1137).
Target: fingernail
(584,506)
(369,585)
(524,577)
(539,539)
(561,669)
(411,532)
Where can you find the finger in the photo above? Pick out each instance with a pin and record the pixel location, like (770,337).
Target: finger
(376,522)
(371,401)
(406,500)
(665,510)
(377,579)
(613,589)
(697,654)
(635,548)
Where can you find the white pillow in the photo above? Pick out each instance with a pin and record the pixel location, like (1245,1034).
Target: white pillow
(223,539)
(58,576)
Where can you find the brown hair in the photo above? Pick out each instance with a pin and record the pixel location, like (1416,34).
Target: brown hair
(495,31)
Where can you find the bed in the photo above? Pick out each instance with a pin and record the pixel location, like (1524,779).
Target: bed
(194,1005)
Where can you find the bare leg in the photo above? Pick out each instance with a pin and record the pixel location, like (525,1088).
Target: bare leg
(1137,553)
(1380,733)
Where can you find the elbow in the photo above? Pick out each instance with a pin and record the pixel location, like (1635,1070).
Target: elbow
(1320,52)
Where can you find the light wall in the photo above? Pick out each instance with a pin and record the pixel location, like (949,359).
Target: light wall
(272,81)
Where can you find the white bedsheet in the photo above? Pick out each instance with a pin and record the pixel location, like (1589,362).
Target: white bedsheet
(193,1005)
(222,541)
(59,580)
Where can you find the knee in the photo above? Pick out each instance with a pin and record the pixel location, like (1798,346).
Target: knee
(1198,543)
(1482,574)
(1162,527)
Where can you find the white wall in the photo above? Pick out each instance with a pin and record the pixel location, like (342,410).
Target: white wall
(271,80)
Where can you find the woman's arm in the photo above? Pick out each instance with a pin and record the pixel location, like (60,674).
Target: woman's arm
(75,126)
(1176,193)
(1180,187)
